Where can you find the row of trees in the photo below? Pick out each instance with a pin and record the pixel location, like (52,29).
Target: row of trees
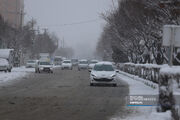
(134,30)
(27,40)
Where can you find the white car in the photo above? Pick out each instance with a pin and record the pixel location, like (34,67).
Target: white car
(31,64)
(83,64)
(92,64)
(44,66)
(103,73)
(4,65)
(74,62)
(66,64)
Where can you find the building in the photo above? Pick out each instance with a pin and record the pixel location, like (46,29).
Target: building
(13,12)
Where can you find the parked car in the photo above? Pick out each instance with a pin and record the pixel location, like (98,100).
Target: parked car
(66,64)
(9,55)
(74,62)
(83,64)
(4,65)
(44,66)
(103,73)
(92,64)
(31,64)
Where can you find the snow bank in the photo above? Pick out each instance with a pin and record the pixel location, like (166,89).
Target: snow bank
(146,113)
(137,87)
(174,70)
(147,65)
(15,74)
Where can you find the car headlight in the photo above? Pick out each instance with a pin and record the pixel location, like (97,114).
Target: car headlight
(93,75)
(113,76)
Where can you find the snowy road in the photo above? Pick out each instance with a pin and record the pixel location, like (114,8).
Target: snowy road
(63,95)
(66,95)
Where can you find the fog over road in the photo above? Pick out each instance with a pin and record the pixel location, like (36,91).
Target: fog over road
(63,95)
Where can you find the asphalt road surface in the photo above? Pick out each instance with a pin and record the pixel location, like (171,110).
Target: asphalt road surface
(63,95)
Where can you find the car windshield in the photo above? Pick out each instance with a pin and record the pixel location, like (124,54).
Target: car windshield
(66,62)
(31,61)
(57,59)
(44,63)
(103,68)
(94,62)
(83,62)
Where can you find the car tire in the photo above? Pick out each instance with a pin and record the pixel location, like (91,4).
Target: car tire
(91,84)
(114,85)
(5,71)
(9,70)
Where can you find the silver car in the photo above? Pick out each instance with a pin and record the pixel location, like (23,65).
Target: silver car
(83,64)
(44,66)
(66,64)
(103,73)
(31,64)
(4,65)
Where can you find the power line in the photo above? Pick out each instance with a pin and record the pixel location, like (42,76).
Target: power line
(71,24)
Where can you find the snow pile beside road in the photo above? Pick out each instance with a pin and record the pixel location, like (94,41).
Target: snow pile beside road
(141,82)
(147,113)
(15,74)
(137,87)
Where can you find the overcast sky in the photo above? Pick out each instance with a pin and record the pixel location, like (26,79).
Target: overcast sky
(53,14)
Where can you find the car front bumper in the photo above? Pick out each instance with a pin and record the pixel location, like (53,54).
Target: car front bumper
(46,69)
(67,67)
(113,81)
(3,68)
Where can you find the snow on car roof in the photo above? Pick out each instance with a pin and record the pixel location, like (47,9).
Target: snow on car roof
(67,60)
(94,60)
(83,60)
(104,62)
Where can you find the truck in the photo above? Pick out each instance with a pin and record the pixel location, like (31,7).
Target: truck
(8,54)
(58,60)
(44,56)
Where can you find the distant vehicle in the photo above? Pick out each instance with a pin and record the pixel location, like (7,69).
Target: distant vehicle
(8,54)
(4,65)
(83,64)
(31,64)
(44,66)
(103,73)
(66,64)
(58,60)
(44,56)
(74,62)
(92,64)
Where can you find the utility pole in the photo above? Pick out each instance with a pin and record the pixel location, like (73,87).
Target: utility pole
(21,19)
(45,30)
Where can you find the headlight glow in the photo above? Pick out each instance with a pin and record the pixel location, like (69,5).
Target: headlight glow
(113,76)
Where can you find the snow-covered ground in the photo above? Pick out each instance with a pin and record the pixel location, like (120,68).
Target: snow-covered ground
(139,86)
(15,74)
